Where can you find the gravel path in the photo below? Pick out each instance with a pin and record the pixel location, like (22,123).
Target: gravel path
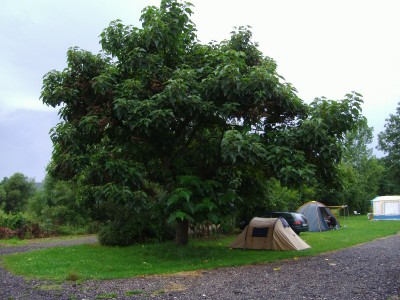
(368,271)
(40,245)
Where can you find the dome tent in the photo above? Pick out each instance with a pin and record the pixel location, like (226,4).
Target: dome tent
(316,214)
(269,233)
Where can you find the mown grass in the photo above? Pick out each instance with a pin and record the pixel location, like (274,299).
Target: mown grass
(98,262)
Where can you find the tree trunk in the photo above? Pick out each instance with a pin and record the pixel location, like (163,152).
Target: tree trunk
(182,232)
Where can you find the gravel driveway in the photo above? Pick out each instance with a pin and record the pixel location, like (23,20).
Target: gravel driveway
(368,271)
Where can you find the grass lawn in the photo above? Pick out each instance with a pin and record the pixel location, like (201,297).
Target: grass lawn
(99,262)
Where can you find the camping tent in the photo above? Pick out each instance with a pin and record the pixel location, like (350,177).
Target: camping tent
(386,208)
(269,233)
(317,214)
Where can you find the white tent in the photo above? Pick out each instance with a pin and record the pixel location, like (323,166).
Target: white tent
(386,208)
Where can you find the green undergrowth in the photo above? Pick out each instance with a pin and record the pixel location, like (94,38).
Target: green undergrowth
(98,262)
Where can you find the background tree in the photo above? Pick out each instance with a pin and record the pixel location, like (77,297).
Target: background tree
(56,204)
(389,142)
(3,196)
(15,192)
(309,151)
(355,144)
(361,172)
(161,127)
(359,185)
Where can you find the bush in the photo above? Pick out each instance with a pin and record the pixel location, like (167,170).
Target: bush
(93,227)
(20,225)
(6,233)
(227,225)
(115,234)
(13,221)
(119,233)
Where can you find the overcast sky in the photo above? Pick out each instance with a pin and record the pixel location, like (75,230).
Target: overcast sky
(324,48)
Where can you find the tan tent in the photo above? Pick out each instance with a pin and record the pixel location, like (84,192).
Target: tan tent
(269,233)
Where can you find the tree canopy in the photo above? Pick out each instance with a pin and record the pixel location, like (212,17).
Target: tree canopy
(161,125)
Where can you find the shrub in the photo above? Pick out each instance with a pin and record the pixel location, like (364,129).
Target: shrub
(20,225)
(35,231)
(227,225)
(93,227)
(115,234)
(13,221)
(120,233)
(6,233)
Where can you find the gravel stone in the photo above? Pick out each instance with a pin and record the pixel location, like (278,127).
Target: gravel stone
(367,271)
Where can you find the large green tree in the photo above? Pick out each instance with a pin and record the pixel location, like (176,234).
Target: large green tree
(161,123)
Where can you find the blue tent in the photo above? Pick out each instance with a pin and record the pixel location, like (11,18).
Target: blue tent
(317,215)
